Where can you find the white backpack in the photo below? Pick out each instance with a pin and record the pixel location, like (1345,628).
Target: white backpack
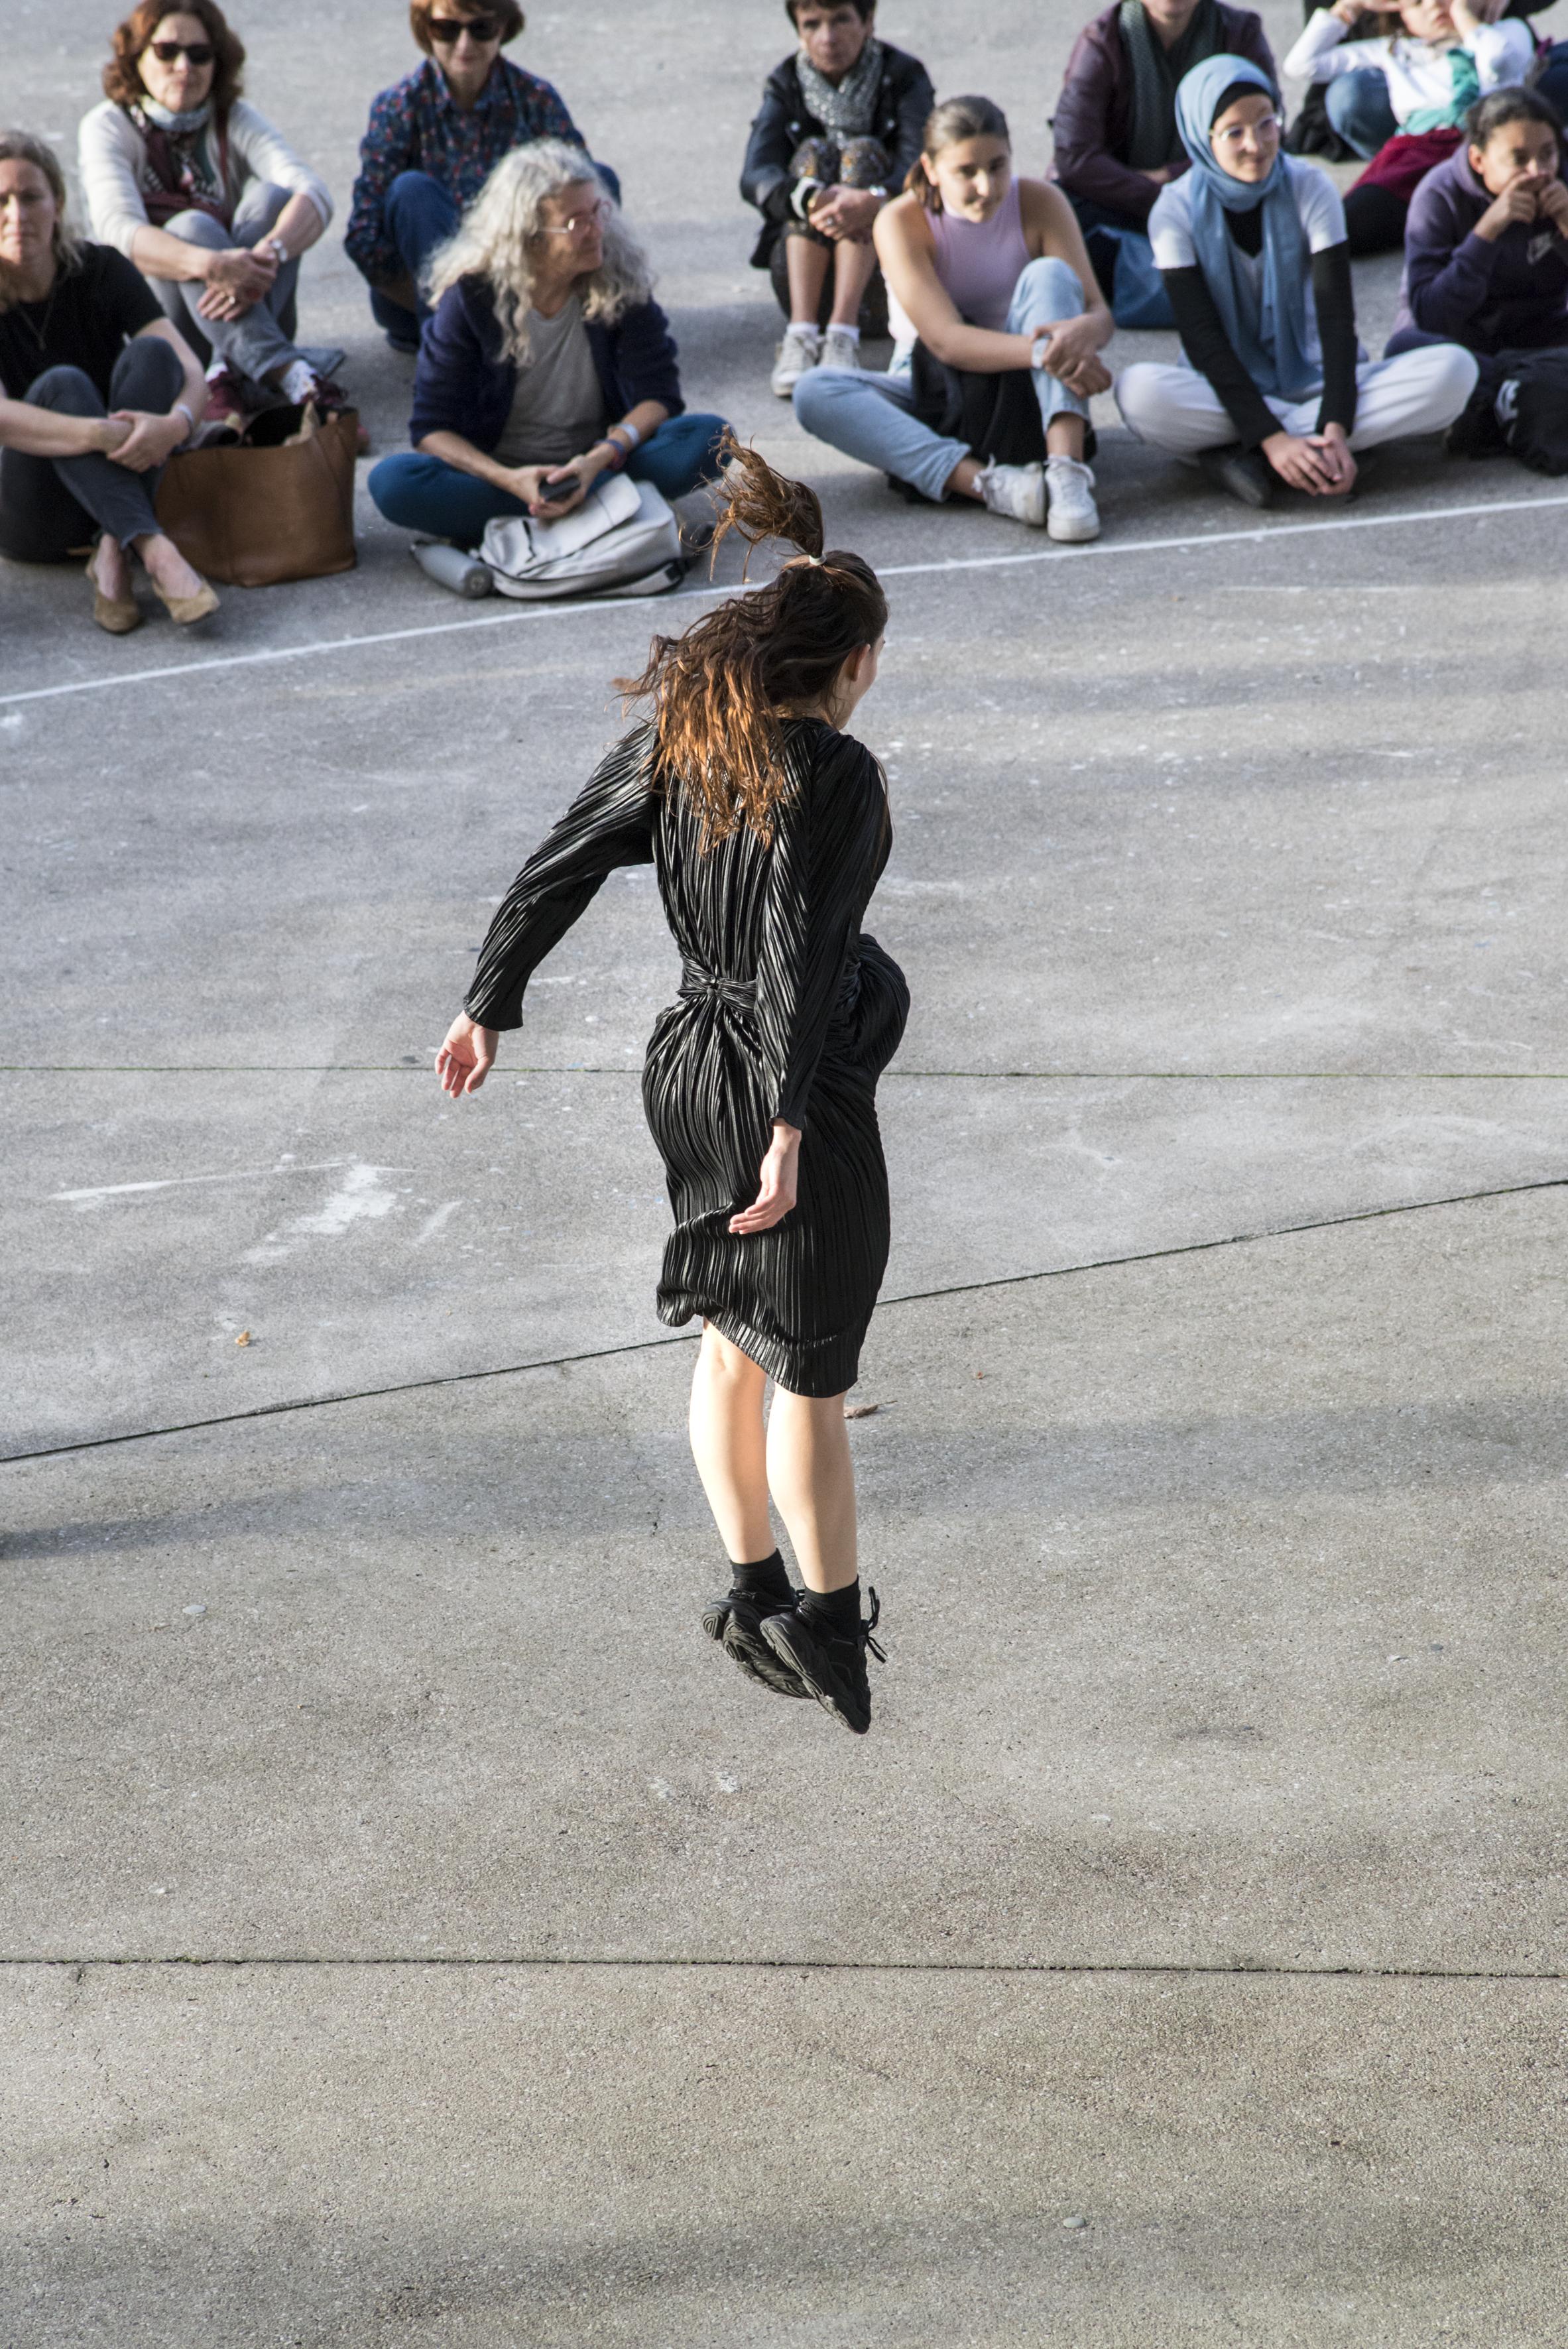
(622,540)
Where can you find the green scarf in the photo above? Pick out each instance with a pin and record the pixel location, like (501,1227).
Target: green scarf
(1153,139)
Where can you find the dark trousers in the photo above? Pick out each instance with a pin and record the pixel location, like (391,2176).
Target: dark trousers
(50,504)
(427,495)
(420,215)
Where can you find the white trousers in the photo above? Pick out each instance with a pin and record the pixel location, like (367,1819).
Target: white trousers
(1179,410)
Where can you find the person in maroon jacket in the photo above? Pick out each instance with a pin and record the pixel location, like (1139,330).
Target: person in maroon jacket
(1117,144)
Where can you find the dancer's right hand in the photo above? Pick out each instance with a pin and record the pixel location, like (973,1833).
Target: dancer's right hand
(780,1178)
(467,1056)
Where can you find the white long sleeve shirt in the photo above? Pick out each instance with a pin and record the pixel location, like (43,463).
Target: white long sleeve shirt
(115,173)
(1429,82)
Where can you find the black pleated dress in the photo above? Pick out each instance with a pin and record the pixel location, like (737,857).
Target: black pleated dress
(786,1009)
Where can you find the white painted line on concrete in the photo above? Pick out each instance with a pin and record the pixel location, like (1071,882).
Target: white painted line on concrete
(598,609)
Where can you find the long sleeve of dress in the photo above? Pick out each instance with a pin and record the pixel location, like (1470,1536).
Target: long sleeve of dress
(610,823)
(825,865)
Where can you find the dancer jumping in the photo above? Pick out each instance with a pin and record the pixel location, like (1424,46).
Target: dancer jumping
(768,829)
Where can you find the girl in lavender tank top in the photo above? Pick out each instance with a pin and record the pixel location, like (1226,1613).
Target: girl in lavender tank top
(992,273)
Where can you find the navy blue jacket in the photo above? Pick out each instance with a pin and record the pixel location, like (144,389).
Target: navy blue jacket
(1508,292)
(463,383)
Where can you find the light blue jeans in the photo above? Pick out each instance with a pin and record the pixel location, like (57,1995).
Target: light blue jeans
(870,417)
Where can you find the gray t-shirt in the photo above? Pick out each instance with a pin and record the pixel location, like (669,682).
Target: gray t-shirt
(558,409)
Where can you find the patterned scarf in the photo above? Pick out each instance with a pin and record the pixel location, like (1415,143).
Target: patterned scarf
(1154,140)
(182,173)
(846,109)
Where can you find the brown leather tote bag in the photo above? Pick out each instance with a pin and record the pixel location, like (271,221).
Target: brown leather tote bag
(271,507)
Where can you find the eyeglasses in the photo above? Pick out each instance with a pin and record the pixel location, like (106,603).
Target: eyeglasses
(1265,132)
(447,31)
(595,217)
(168,53)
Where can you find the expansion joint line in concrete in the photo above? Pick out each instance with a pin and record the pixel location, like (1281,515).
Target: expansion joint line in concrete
(886,1305)
(540,615)
(891,1077)
(1171,1970)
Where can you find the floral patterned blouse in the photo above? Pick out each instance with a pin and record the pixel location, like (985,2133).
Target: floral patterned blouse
(415,127)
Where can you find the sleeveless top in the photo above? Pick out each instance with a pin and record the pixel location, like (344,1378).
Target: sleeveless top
(980,262)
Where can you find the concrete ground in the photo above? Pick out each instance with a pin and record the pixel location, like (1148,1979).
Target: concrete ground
(413,1933)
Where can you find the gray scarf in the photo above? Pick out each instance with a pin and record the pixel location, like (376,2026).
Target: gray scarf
(847,108)
(1153,139)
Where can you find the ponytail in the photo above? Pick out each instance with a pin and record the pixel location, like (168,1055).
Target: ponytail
(955,118)
(720,692)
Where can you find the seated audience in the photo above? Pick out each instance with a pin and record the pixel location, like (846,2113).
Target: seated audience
(182,176)
(97,392)
(1351,115)
(546,361)
(992,273)
(1446,54)
(1486,245)
(838,129)
(1116,144)
(433,141)
(1253,248)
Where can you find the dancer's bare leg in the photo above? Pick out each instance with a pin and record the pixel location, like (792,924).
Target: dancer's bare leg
(813,1482)
(729,1447)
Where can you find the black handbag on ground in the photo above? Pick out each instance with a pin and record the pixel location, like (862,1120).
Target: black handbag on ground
(1518,409)
(997,417)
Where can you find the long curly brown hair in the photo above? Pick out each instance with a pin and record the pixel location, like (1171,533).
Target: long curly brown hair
(122,76)
(721,692)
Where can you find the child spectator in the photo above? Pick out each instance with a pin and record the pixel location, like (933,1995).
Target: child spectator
(1447,55)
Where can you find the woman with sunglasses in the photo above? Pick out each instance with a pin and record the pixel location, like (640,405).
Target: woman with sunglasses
(1251,247)
(433,141)
(186,179)
(547,362)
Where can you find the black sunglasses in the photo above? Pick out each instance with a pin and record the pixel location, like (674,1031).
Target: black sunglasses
(449,30)
(200,53)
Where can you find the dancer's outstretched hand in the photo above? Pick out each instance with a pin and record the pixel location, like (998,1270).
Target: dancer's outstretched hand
(780,1172)
(467,1056)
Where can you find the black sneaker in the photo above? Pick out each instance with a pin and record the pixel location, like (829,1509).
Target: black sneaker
(736,1622)
(833,1668)
(1241,473)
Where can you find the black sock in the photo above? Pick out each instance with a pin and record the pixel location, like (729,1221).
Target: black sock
(766,1580)
(837,1612)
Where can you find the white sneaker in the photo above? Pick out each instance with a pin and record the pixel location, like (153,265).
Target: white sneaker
(1018,491)
(1073,513)
(840,350)
(798,354)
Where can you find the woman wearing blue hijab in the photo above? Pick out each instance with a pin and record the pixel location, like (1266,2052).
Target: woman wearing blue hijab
(1251,245)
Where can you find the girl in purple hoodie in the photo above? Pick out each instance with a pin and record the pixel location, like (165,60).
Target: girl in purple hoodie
(1486,245)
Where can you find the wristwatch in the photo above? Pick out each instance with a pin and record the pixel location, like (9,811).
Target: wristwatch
(277,248)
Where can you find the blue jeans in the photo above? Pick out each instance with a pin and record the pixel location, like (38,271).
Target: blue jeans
(420,215)
(871,417)
(1357,106)
(427,495)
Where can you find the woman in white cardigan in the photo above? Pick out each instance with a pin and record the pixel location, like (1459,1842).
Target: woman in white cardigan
(182,176)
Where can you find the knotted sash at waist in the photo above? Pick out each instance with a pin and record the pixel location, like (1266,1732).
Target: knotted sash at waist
(698,984)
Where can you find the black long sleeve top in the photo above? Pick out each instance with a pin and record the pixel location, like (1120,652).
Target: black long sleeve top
(1208,349)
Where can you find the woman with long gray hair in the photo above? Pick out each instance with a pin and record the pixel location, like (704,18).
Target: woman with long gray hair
(547,361)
